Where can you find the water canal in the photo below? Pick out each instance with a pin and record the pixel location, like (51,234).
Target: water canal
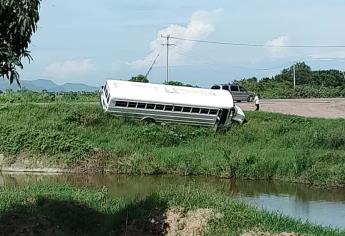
(318,206)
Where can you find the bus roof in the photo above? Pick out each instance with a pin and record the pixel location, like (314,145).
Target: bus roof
(167,94)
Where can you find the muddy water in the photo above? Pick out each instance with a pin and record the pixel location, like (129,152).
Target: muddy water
(319,206)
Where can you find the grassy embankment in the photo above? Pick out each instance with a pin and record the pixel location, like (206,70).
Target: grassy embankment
(81,136)
(178,211)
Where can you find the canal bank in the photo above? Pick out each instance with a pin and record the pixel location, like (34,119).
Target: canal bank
(81,139)
(310,204)
(124,205)
(60,137)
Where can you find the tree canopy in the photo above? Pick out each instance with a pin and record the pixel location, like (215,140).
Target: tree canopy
(139,78)
(177,83)
(318,83)
(18,21)
(304,76)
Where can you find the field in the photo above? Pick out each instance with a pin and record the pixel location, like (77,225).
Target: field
(177,211)
(78,136)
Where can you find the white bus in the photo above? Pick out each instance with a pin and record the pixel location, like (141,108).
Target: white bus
(170,104)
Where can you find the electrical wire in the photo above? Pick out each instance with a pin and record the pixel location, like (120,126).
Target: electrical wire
(327,58)
(256,45)
(215,63)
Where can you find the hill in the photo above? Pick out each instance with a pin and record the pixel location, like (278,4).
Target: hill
(48,85)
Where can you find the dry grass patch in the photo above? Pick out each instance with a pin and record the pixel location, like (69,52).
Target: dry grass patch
(192,222)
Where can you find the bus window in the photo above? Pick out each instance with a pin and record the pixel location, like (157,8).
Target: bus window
(141,105)
(150,106)
(132,104)
(204,111)
(177,108)
(187,109)
(195,110)
(213,112)
(121,104)
(169,108)
(160,107)
(106,91)
(107,94)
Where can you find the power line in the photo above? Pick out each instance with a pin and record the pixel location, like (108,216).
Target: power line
(327,58)
(214,62)
(256,45)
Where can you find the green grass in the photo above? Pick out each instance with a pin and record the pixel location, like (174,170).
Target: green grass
(268,146)
(93,212)
(24,96)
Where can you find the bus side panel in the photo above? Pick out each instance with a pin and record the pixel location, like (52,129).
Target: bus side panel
(167,117)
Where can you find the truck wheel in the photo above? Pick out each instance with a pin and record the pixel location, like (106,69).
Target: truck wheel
(250,99)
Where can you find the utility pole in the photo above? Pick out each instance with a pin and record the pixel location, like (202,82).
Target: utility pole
(294,76)
(168,44)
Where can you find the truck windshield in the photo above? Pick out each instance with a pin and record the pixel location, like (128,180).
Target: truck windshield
(234,88)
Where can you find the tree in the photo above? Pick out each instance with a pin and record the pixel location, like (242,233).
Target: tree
(139,78)
(18,21)
(303,74)
(253,79)
(329,78)
(177,83)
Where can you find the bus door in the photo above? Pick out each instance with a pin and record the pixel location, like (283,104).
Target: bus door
(223,116)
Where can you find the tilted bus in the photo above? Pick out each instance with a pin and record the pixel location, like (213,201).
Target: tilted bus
(170,104)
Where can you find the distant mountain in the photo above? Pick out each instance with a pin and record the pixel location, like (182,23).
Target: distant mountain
(44,84)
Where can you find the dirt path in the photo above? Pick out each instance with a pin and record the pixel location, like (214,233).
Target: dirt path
(323,108)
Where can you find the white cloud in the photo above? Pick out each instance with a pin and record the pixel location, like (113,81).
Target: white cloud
(275,48)
(69,69)
(201,24)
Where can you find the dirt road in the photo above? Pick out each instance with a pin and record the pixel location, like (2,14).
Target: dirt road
(323,108)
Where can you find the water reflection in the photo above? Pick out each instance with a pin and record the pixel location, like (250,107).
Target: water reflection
(299,191)
(320,206)
(325,207)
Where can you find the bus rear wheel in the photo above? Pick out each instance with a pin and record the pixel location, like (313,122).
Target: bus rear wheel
(148,120)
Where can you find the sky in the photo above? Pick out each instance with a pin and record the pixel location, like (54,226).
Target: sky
(87,41)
